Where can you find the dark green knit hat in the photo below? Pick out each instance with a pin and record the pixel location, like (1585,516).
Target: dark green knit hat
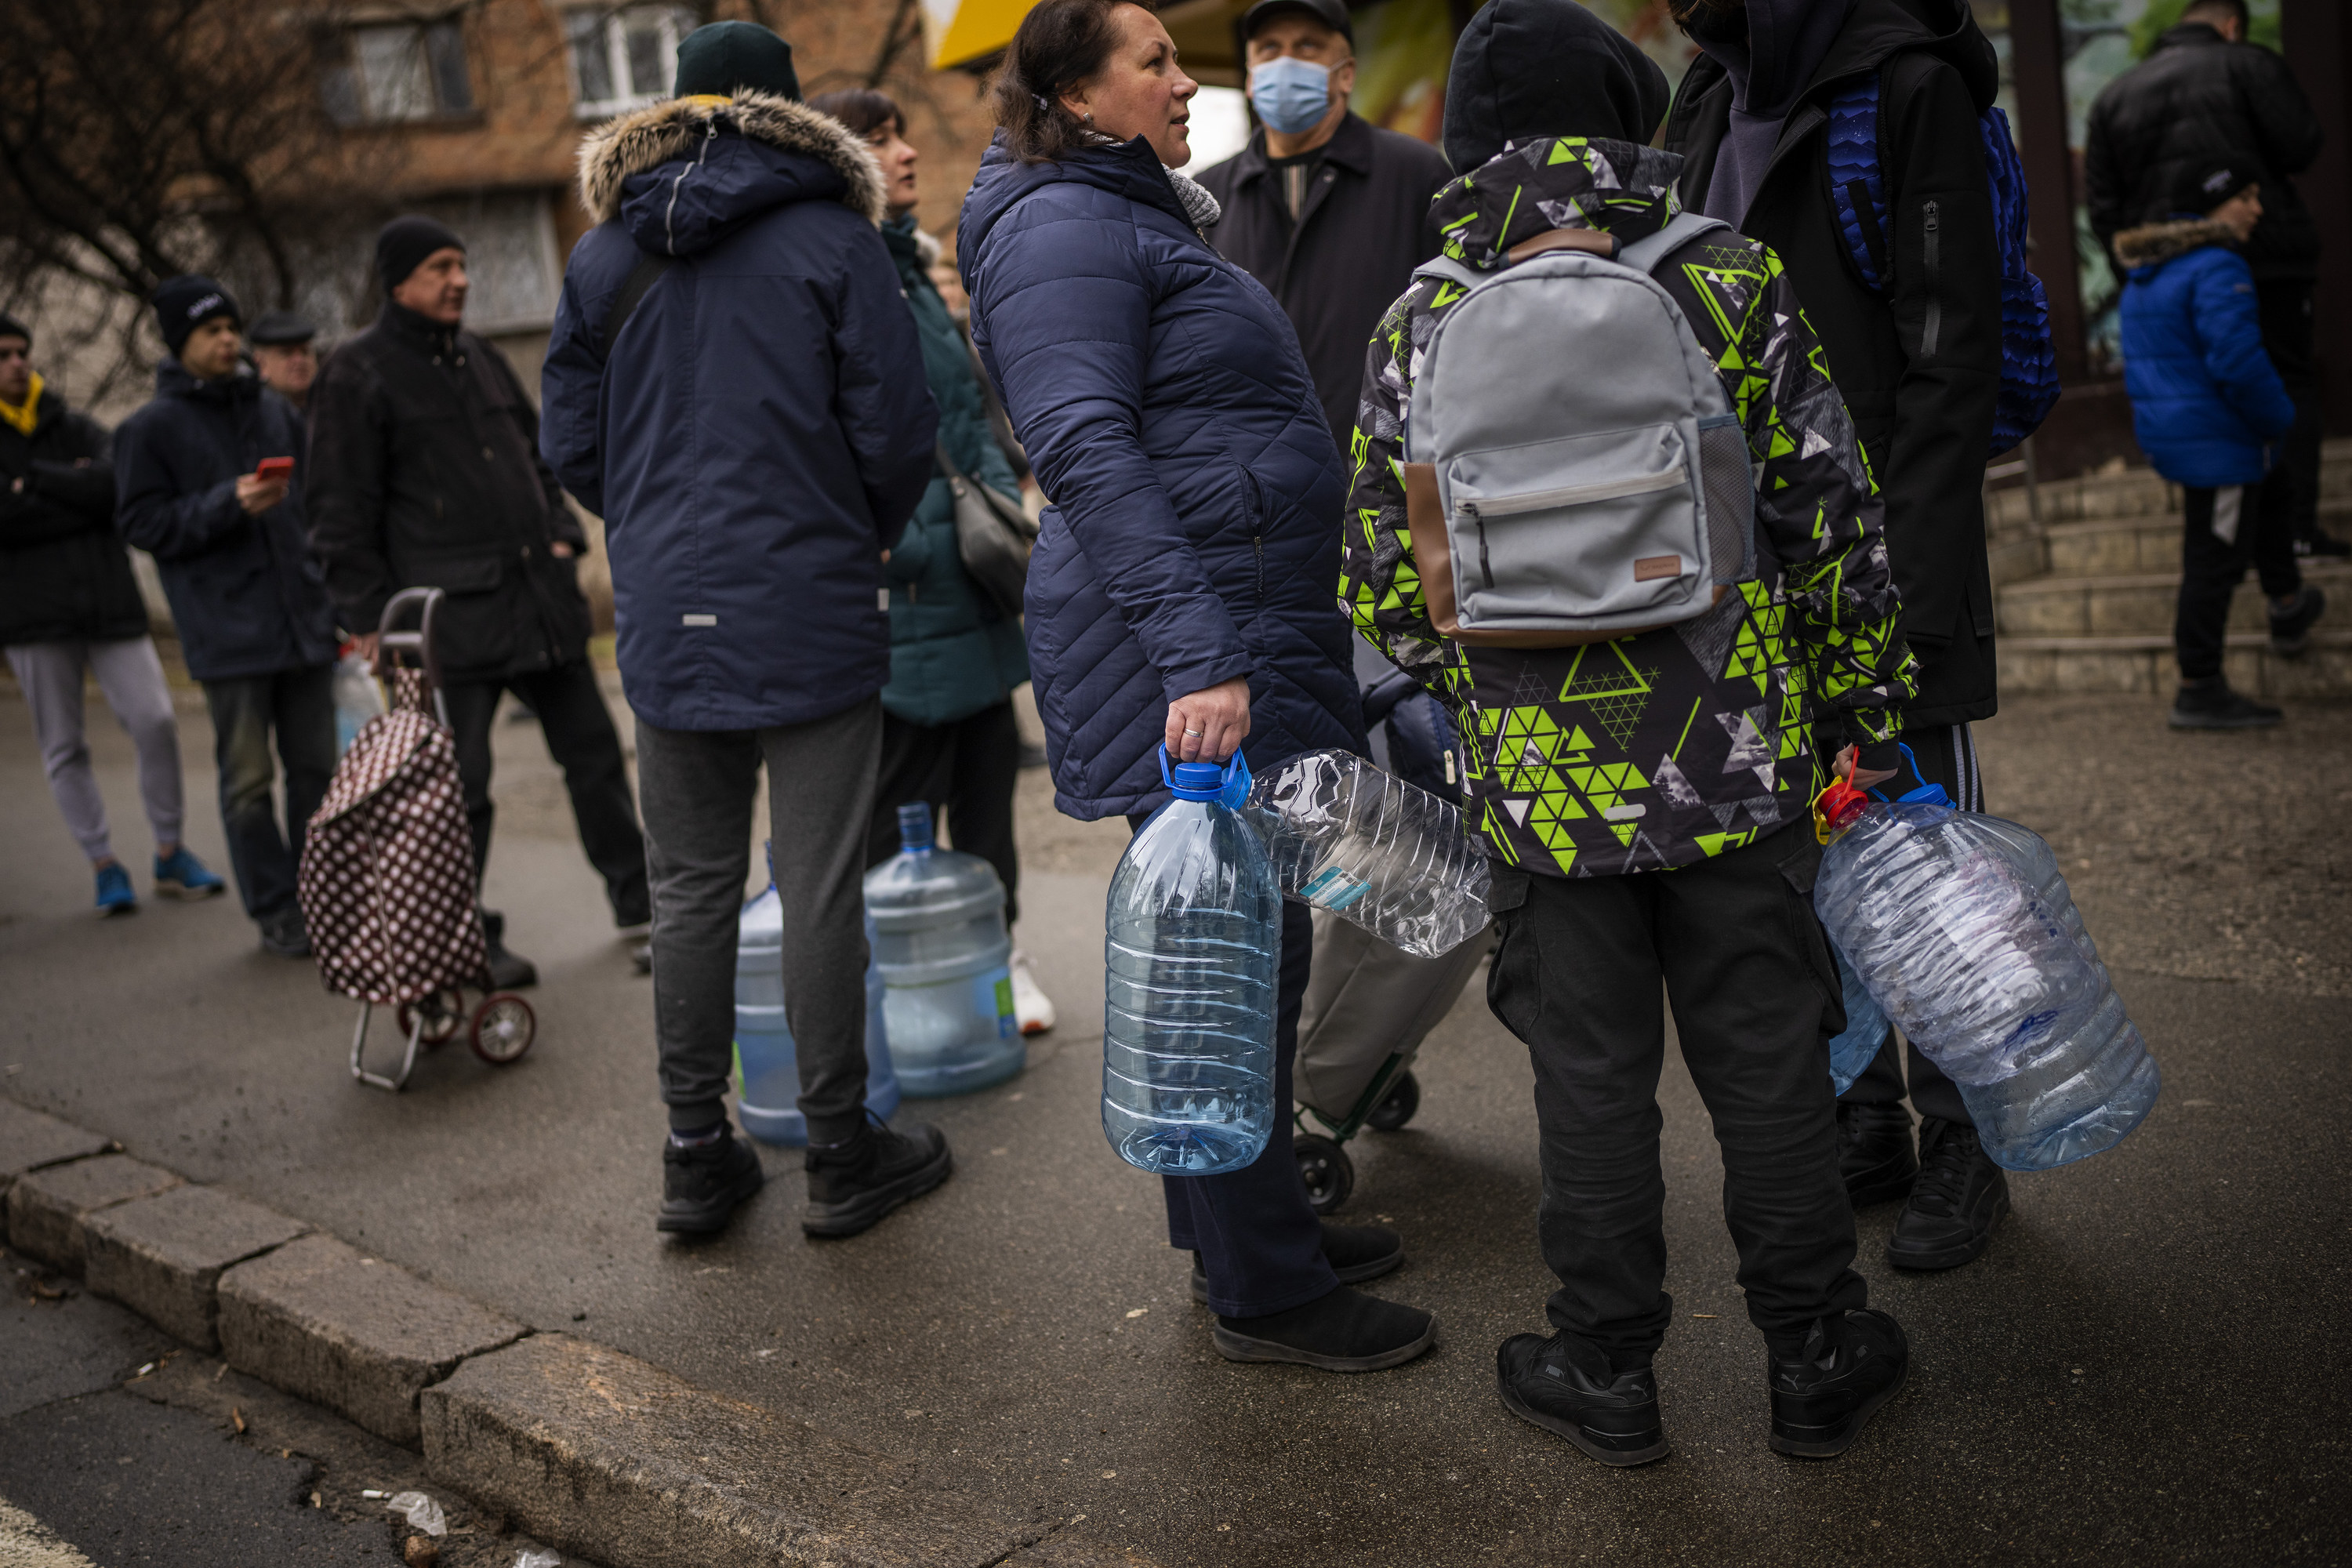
(725,56)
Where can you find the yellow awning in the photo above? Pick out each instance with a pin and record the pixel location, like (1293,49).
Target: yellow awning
(964,31)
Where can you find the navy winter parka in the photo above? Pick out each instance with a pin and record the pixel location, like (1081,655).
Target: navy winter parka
(763,429)
(1195,531)
(2206,400)
(247,597)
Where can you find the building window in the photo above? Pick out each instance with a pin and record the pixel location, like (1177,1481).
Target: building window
(395,71)
(624,58)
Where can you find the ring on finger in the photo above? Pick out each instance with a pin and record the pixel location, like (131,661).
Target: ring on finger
(1196,734)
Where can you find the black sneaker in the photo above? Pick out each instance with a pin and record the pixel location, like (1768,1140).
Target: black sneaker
(2212,705)
(2291,628)
(851,1186)
(1355,1252)
(1852,1363)
(1875,1152)
(284,934)
(2322,543)
(1346,1330)
(1566,1387)
(1958,1199)
(507,971)
(701,1186)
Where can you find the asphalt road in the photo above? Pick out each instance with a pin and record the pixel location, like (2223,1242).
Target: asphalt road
(2150,1363)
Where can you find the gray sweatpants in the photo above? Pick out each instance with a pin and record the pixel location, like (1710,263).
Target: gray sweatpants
(131,677)
(694,789)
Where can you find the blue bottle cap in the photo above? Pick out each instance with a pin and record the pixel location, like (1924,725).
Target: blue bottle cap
(1206,781)
(915,826)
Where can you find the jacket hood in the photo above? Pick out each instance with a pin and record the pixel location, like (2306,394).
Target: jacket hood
(1129,169)
(173,380)
(2152,245)
(684,172)
(1786,41)
(1875,31)
(1557,182)
(1546,68)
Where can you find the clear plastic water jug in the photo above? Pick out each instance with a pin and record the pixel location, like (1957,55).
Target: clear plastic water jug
(1376,851)
(946,963)
(357,699)
(1967,937)
(767,1068)
(1866,1027)
(1191,946)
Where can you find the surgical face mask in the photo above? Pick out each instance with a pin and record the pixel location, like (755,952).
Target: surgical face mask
(1289,94)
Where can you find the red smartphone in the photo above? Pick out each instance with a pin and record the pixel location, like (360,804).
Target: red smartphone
(274,469)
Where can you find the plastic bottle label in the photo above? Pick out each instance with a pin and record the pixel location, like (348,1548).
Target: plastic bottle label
(1334,889)
(998,987)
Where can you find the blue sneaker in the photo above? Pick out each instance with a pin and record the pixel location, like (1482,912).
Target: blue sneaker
(114,894)
(184,876)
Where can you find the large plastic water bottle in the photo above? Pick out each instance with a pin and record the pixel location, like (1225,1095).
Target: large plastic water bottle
(1865,1028)
(1971,946)
(1374,850)
(1191,945)
(357,700)
(767,1068)
(946,963)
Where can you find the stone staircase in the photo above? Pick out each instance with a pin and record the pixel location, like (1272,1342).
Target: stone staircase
(2085,595)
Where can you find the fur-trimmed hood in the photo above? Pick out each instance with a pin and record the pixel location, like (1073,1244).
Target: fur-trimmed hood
(2152,245)
(680,127)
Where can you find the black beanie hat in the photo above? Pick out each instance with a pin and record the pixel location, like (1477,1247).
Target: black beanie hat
(185,303)
(2206,183)
(1528,69)
(10,327)
(404,244)
(722,58)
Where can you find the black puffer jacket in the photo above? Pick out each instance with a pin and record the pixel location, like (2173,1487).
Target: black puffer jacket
(1363,228)
(246,597)
(2198,96)
(1921,395)
(64,573)
(425,472)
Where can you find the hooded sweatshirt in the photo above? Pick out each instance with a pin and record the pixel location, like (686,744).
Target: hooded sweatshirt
(1786,41)
(1666,749)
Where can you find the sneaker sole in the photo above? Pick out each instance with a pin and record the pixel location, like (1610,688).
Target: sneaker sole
(1241,1347)
(186,894)
(1618,1458)
(866,1210)
(1951,1257)
(1355,1276)
(712,1220)
(1831,1447)
(2203,722)
(109,911)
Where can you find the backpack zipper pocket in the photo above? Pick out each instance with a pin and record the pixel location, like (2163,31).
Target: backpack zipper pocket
(1475,508)
(1934,258)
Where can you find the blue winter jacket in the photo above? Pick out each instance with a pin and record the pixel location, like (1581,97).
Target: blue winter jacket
(247,597)
(762,431)
(1195,531)
(2206,400)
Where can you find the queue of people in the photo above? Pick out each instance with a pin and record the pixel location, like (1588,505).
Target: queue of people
(1222,388)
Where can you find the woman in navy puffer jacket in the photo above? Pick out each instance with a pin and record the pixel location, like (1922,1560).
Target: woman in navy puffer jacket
(1181,591)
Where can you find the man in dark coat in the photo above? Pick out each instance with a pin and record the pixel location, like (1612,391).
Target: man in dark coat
(247,598)
(2205,93)
(734,382)
(1918,364)
(69,608)
(426,473)
(1327,211)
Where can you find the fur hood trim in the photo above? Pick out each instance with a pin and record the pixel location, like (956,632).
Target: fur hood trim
(634,143)
(2153,244)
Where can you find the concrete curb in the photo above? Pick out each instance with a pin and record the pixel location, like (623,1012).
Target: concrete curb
(595,1451)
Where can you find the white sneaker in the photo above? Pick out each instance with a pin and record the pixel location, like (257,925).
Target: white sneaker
(1031,1007)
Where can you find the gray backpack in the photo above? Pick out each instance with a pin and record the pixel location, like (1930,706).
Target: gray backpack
(1574,473)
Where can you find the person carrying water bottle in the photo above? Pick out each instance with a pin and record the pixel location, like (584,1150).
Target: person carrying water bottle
(1179,594)
(1642,790)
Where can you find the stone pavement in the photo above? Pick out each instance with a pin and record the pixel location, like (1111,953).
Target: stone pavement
(2150,1363)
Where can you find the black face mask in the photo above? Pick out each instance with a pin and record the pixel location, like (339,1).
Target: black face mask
(1711,22)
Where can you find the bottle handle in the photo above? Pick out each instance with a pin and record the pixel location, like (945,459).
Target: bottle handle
(1231,794)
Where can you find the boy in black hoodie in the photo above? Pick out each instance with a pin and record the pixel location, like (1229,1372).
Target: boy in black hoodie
(1917,359)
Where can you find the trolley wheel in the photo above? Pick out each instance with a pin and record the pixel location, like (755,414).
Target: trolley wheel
(444,1014)
(1326,1169)
(504,1026)
(1403,1098)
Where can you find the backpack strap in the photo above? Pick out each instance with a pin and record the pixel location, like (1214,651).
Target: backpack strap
(1452,270)
(1643,255)
(633,292)
(1858,182)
